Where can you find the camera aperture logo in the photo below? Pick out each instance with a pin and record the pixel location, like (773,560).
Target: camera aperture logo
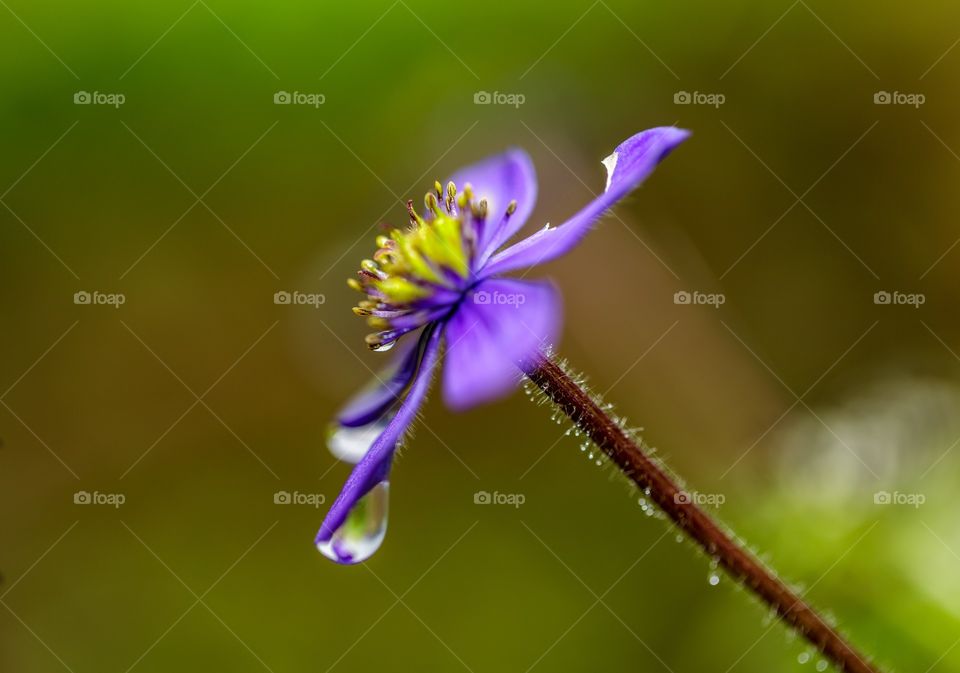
(297,498)
(697,498)
(899,98)
(499,98)
(498,498)
(314,100)
(297,298)
(699,98)
(114,500)
(696,298)
(99,98)
(97,298)
(897,298)
(898,498)
(485,298)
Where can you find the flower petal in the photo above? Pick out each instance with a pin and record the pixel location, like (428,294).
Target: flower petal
(501,323)
(627,167)
(501,179)
(375,465)
(380,394)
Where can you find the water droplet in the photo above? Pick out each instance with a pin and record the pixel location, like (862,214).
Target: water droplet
(363,531)
(822,665)
(713,579)
(382,348)
(678,538)
(599,462)
(803,657)
(351,444)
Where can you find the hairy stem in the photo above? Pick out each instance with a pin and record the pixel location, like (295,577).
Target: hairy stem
(610,437)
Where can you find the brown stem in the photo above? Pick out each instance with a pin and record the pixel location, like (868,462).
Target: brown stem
(581,407)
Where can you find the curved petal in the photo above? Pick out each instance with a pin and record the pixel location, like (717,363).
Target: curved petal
(627,167)
(375,465)
(501,323)
(371,402)
(500,179)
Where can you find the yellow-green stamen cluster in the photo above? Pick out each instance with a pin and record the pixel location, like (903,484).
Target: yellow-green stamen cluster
(417,271)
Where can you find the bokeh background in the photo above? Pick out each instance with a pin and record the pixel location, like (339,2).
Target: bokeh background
(797,401)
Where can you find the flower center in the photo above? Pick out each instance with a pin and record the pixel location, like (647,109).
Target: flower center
(417,274)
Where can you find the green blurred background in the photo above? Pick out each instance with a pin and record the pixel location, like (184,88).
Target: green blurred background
(798,400)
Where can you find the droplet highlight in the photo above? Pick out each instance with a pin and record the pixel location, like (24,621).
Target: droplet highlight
(364,530)
(351,444)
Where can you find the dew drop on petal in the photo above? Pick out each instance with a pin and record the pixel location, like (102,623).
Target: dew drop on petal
(803,657)
(363,531)
(351,444)
(713,579)
(382,348)
(822,665)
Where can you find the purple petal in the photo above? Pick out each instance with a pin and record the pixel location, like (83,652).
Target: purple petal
(501,323)
(375,465)
(627,167)
(380,394)
(501,179)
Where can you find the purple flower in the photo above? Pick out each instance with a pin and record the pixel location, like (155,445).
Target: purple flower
(441,278)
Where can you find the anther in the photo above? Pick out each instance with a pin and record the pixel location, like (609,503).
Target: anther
(414,215)
(432,204)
